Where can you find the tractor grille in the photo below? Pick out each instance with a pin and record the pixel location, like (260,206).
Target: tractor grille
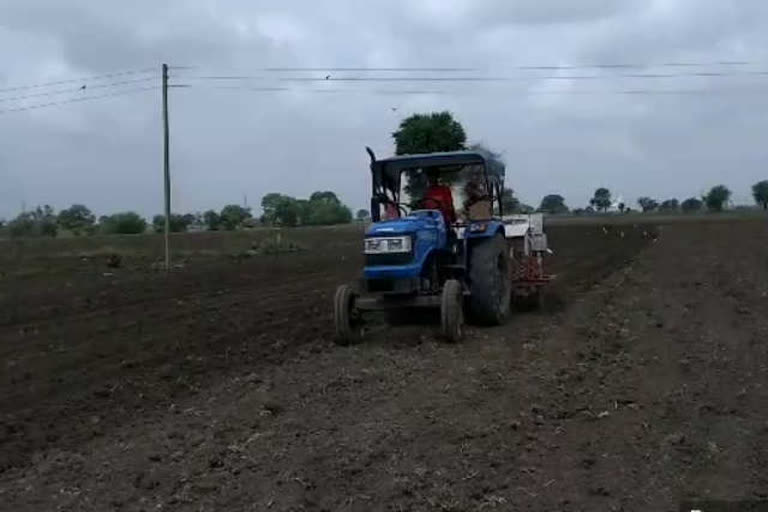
(373,260)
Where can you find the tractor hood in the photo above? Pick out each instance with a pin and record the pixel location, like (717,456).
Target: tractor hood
(417,221)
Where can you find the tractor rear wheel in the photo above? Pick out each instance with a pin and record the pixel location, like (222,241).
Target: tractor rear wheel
(346,317)
(490,284)
(452,311)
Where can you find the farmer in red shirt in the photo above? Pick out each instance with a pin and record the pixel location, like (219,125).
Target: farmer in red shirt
(439,197)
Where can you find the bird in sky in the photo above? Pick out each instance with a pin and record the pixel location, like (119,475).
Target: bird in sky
(327,77)
(82,88)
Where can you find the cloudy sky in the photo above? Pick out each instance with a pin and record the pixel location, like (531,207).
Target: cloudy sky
(654,129)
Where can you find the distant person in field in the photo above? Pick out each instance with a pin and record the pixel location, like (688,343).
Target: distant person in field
(439,196)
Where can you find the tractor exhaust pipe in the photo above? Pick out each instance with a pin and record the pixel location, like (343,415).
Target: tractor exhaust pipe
(370,154)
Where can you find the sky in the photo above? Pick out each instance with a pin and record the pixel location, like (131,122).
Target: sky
(657,128)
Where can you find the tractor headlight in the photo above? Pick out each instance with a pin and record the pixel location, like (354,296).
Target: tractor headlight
(382,245)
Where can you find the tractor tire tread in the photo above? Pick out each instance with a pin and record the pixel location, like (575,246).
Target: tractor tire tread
(490,295)
(452,311)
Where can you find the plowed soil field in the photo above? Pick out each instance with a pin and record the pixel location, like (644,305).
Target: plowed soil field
(642,381)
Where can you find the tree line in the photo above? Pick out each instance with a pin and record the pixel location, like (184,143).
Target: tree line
(715,200)
(321,208)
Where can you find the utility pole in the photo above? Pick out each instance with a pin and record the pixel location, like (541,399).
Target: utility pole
(166,171)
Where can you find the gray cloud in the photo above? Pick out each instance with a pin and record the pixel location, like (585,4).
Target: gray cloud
(557,135)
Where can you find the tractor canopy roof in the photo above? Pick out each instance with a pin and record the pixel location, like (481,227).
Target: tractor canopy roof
(494,166)
(386,172)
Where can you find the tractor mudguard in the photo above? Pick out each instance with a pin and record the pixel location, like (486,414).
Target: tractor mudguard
(484,229)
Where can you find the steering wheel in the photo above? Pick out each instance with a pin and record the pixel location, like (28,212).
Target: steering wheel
(401,208)
(422,203)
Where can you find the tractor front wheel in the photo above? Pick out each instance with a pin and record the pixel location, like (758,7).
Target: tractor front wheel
(452,311)
(490,282)
(346,316)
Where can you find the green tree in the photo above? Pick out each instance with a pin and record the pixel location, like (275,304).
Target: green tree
(553,204)
(123,223)
(647,204)
(192,219)
(233,215)
(290,211)
(669,205)
(179,223)
(525,208)
(325,196)
(325,208)
(622,207)
(692,204)
(717,197)
(38,222)
(427,133)
(509,203)
(302,209)
(77,219)
(212,220)
(23,225)
(322,208)
(269,205)
(284,210)
(760,193)
(360,215)
(601,201)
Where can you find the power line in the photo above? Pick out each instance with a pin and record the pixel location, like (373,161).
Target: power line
(225,77)
(516,78)
(271,70)
(476,78)
(318,91)
(77,100)
(639,66)
(730,63)
(81,80)
(393,70)
(76,89)
(732,90)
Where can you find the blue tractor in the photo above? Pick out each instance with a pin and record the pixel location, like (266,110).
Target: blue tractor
(416,257)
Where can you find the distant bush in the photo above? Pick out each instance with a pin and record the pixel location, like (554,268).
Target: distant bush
(760,193)
(322,208)
(123,223)
(647,204)
(601,201)
(717,198)
(692,205)
(233,216)
(77,219)
(553,204)
(39,222)
(669,205)
(211,220)
(179,223)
